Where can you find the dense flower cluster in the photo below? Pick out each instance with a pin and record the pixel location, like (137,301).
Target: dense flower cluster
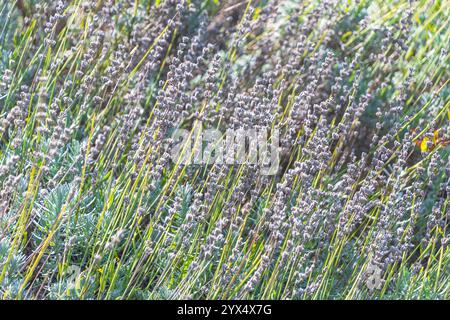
(91,91)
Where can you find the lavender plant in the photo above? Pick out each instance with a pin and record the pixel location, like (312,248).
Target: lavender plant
(93,205)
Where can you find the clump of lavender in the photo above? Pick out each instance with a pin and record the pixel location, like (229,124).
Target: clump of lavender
(94,206)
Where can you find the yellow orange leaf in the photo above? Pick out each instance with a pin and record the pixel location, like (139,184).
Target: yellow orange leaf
(436,136)
(423,145)
(256,13)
